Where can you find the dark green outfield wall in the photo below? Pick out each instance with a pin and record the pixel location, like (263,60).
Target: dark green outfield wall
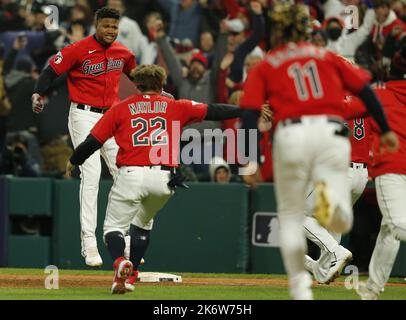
(206,228)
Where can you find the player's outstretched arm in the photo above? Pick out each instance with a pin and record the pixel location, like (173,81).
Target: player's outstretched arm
(220,111)
(47,76)
(388,137)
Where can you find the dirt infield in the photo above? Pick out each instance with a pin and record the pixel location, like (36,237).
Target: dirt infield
(77,281)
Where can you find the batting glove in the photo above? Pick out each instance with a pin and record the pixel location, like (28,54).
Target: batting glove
(37,103)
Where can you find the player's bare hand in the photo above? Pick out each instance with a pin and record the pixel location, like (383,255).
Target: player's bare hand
(37,103)
(266,113)
(389,142)
(69,169)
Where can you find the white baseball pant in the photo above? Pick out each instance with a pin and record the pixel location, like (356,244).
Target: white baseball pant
(329,241)
(305,153)
(390,192)
(138,193)
(80,123)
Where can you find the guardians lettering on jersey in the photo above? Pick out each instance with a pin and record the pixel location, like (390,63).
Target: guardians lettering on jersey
(94,70)
(98,68)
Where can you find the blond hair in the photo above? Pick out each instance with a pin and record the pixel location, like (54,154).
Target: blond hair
(289,22)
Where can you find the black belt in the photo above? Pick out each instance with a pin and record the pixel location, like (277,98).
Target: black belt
(299,120)
(90,108)
(165,168)
(354,165)
(340,132)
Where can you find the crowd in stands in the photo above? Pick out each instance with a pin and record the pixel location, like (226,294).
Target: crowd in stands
(207,47)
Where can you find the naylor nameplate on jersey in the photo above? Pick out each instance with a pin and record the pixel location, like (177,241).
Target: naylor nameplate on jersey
(265,229)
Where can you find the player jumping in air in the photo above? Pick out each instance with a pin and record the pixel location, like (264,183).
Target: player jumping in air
(94,66)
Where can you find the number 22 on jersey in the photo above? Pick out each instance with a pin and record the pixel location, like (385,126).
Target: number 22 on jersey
(149,133)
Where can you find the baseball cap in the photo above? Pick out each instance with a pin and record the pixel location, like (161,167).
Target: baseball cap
(235,25)
(199,57)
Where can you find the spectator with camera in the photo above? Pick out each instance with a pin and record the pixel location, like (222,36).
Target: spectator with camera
(19,83)
(16,159)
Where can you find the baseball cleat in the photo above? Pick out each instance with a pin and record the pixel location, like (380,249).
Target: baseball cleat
(342,257)
(130,282)
(92,257)
(123,269)
(323,211)
(314,268)
(309,263)
(365,293)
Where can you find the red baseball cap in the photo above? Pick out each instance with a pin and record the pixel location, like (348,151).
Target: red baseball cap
(199,57)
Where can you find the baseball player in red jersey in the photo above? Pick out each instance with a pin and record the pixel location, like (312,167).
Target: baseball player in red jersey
(334,257)
(389,172)
(147,128)
(94,66)
(305,86)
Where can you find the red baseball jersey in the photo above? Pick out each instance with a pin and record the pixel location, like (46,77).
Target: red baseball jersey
(360,139)
(94,70)
(360,131)
(393,99)
(148,128)
(301,79)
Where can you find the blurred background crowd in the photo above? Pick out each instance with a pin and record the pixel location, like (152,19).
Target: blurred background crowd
(207,47)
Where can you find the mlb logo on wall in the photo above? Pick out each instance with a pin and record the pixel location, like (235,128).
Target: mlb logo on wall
(265,229)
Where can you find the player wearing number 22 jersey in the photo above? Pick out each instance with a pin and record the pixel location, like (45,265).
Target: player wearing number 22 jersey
(147,129)
(144,122)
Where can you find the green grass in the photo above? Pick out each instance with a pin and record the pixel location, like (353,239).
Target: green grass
(181,291)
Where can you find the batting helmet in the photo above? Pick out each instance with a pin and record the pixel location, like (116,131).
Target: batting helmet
(290,22)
